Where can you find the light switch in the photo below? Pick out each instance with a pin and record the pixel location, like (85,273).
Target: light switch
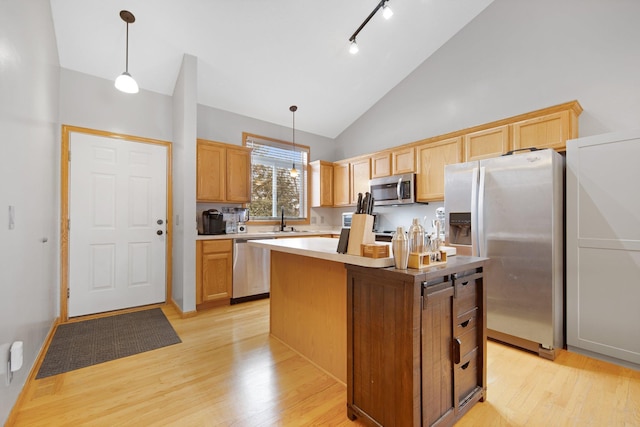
(12,212)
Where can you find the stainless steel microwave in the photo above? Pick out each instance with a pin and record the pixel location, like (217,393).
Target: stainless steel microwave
(394,190)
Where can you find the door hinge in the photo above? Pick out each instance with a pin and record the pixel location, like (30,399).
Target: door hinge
(68,292)
(69,156)
(69,224)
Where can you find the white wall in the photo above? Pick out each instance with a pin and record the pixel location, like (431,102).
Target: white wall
(224,126)
(29,182)
(516,56)
(94,103)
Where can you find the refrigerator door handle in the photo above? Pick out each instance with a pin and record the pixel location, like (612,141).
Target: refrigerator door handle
(474,212)
(481,236)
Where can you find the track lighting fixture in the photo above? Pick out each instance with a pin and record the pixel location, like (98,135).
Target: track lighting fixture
(294,172)
(124,82)
(386,12)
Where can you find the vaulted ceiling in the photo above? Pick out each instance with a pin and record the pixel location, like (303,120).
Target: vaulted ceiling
(258,57)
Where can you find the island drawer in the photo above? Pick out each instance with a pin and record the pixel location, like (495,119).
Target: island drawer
(465,292)
(467,342)
(466,320)
(466,376)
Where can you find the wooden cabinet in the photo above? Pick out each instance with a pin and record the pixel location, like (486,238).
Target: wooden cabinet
(432,158)
(393,162)
(545,128)
(321,184)
(210,172)
(238,174)
(223,172)
(486,143)
(549,131)
(416,343)
(341,184)
(214,272)
(360,174)
(350,177)
(403,160)
(381,164)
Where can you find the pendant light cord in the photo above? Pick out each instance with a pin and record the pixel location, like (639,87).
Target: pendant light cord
(126,62)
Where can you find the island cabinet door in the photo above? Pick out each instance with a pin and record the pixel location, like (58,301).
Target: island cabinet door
(383,348)
(438,402)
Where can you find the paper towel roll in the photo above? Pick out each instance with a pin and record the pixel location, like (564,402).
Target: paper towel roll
(16,356)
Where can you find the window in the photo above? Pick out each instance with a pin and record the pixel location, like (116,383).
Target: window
(272,187)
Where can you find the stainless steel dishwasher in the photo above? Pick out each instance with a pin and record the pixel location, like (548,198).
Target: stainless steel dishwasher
(251,271)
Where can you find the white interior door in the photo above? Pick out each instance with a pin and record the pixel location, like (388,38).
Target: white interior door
(117,234)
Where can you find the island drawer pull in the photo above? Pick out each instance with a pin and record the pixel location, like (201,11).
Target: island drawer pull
(465,323)
(456,350)
(466,365)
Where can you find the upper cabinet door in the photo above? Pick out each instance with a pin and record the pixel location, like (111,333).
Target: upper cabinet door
(341,184)
(239,175)
(550,131)
(210,172)
(486,143)
(360,176)
(321,184)
(403,160)
(381,164)
(432,158)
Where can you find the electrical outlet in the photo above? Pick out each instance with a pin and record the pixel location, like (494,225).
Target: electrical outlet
(321,220)
(313,220)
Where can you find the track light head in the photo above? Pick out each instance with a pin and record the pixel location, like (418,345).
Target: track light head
(353,49)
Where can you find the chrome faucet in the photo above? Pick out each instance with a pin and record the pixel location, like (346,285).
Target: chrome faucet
(282,223)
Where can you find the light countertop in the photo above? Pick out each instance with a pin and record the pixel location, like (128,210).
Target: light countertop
(322,248)
(267,234)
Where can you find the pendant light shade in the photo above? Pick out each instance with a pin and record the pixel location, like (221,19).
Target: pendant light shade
(125,83)
(294,172)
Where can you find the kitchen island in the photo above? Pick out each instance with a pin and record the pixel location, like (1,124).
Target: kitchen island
(409,344)
(309,298)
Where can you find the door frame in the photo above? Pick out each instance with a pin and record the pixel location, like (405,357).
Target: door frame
(64,208)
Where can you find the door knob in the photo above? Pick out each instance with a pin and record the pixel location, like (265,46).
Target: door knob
(159,232)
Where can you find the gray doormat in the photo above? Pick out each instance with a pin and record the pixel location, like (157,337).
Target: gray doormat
(89,342)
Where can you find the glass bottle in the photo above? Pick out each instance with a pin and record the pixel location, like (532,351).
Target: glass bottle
(400,248)
(416,237)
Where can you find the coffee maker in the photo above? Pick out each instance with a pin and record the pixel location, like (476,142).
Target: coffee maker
(212,222)
(242,215)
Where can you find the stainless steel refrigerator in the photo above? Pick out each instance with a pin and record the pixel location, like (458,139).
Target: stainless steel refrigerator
(510,209)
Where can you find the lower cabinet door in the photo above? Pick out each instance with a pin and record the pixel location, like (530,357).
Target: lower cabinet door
(438,404)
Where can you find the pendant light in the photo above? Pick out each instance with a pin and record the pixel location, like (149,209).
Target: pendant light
(125,83)
(294,172)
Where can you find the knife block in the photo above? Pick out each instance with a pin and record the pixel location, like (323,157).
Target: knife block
(361,233)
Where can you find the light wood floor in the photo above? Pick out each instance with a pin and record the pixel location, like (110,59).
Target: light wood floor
(228,372)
